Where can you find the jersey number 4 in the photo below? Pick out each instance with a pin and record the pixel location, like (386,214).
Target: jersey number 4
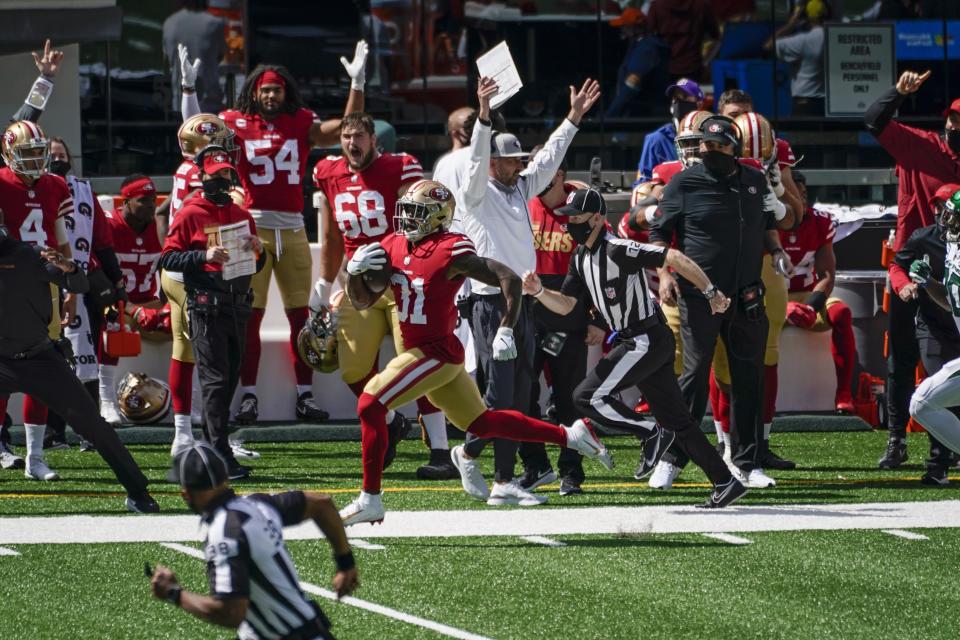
(286,159)
(31,231)
(410,311)
(363,212)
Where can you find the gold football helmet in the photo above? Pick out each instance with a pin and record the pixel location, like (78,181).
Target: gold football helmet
(689,136)
(317,342)
(26,149)
(758,140)
(426,207)
(640,192)
(204,129)
(142,399)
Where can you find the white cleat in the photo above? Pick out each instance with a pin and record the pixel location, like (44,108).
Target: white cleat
(37,469)
(367,508)
(8,458)
(582,439)
(240,451)
(663,475)
(111,413)
(757,479)
(180,443)
(505,493)
(470,476)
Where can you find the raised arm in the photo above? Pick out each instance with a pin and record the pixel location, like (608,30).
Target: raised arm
(327,133)
(478,166)
(48,64)
(189,105)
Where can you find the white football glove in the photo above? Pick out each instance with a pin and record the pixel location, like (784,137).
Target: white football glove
(369,257)
(320,295)
(772,203)
(356,68)
(504,347)
(775,179)
(188,70)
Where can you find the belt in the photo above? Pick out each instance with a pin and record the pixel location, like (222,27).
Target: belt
(215,298)
(639,328)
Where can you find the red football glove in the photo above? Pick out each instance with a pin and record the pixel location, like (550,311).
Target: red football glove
(153,319)
(801,315)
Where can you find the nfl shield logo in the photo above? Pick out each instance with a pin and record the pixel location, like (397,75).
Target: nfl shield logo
(611,293)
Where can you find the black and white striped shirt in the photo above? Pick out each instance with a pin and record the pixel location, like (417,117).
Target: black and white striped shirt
(612,273)
(246,558)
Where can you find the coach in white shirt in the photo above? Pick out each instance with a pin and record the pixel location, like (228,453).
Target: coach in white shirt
(492,211)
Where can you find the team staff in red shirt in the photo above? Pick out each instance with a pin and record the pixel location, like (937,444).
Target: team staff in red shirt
(218,308)
(925,161)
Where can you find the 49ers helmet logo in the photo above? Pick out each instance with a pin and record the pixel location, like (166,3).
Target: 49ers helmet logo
(715,128)
(9,137)
(206,128)
(439,193)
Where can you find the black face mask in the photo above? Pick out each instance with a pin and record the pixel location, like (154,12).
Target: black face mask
(952,137)
(59,167)
(579,231)
(719,163)
(217,190)
(680,108)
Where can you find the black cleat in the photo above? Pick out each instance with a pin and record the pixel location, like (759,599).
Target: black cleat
(570,487)
(142,503)
(724,495)
(236,471)
(396,431)
(308,411)
(770,460)
(249,412)
(440,467)
(654,447)
(86,446)
(895,455)
(535,478)
(935,478)
(54,442)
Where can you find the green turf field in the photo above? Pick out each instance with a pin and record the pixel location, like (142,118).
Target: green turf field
(783,584)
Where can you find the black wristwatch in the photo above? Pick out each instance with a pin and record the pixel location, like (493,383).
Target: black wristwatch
(173,595)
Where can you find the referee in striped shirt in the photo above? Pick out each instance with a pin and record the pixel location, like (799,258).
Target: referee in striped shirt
(611,270)
(253,581)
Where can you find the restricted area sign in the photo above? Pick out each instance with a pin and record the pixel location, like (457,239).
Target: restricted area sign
(860,65)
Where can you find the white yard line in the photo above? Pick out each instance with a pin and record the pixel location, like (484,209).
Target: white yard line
(909,535)
(726,537)
(545,541)
(8,552)
(515,522)
(360,543)
(442,629)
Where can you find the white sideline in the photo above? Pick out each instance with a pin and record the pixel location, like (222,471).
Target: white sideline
(8,552)
(515,522)
(908,535)
(726,537)
(545,541)
(360,543)
(443,629)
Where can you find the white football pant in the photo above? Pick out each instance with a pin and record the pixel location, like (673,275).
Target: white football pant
(932,401)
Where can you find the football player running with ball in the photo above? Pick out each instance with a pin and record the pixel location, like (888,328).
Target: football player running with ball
(426,265)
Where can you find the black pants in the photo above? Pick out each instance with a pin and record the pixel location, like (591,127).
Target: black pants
(646,362)
(218,343)
(507,383)
(567,370)
(936,349)
(48,378)
(902,357)
(745,341)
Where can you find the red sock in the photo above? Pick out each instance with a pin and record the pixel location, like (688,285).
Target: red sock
(297,318)
(724,402)
(425,407)
(513,425)
(34,411)
(714,396)
(357,387)
(373,440)
(181,386)
(769,393)
(843,345)
(251,353)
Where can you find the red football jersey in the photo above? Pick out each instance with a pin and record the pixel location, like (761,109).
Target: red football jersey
(553,244)
(363,202)
(785,156)
(199,226)
(185,181)
(138,254)
(663,172)
(816,229)
(425,296)
(273,158)
(30,213)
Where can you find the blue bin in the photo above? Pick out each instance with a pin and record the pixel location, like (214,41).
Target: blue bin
(756,78)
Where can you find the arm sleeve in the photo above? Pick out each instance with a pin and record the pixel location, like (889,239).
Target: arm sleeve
(900,266)
(228,560)
(879,114)
(477,166)
(27,112)
(411,169)
(668,214)
(290,505)
(634,255)
(177,254)
(109,263)
(573,284)
(543,166)
(189,105)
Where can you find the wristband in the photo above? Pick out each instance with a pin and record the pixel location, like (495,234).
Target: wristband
(710,292)
(538,293)
(779,210)
(650,213)
(486,123)
(173,595)
(344,561)
(776,250)
(817,300)
(39,93)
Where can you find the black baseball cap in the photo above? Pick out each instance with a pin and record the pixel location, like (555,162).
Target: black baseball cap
(720,129)
(582,201)
(198,467)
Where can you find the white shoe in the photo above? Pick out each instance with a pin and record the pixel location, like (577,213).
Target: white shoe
(757,479)
(663,475)
(111,412)
(239,451)
(470,476)
(181,443)
(367,508)
(582,439)
(512,493)
(9,459)
(37,469)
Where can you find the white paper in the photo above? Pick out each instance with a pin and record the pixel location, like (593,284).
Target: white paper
(242,262)
(498,64)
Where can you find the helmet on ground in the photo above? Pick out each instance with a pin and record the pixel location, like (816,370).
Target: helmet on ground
(26,149)
(427,206)
(758,140)
(689,136)
(205,129)
(142,399)
(317,342)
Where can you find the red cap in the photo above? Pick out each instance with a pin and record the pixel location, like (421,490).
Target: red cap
(138,188)
(944,192)
(954,106)
(213,162)
(271,77)
(630,15)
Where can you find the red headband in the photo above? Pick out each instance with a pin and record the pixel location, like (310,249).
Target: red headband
(271,77)
(138,188)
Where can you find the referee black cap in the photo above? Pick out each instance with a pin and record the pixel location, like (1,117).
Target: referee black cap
(582,201)
(198,467)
